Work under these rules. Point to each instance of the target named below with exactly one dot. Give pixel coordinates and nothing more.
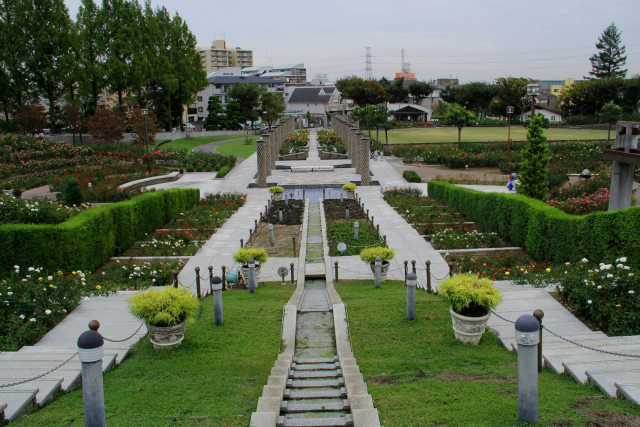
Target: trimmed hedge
(411, 176)
(545, 232)
(89, 239)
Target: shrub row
(89, 239)
(411, 176)
(544, 231)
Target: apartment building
(218, 56)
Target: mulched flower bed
(293, 214)
(333, 210)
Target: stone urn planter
(472, 299)
(369, 256)
(468, 329)
(277, 192)
(384, 268)
(166, 336)
(349, 190)
(256, 272)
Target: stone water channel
(315, 393)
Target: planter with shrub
(369, 256)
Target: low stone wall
(325, 155)
(294, 156)
(173, 176)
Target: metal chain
(500, 317)
(127, 338)
(41, 375)
(614, 353)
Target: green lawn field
(239, 148)
(477, 134)
(189, 144)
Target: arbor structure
(610, 58)
(535, 158)
(459, 117)
(610, 114)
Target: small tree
(215, 119)
(420, 90)
(610, 59)
(233, 118)
(535, 158)
(136, 126)
(610, 113)
(272, 105)
(459, 117)
(106, 125)
(31, 119)
(73, 118)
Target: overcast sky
(466, 39)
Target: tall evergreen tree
(610, 59)
(90, 55)
(215, 119)
(535, 158)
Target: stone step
(629, 391)
(48, 388)
(346, 420)
(71, 378)
(334, 373)
(39, 366)
(337, 405)
(19, 402)
(556, 362)
(299, 360)
(578, 370)
(626, 348)
(315, 366)
(593, 342)
(606, 381)
(315, 394)
(338, 382)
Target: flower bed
(450, 238)
(131, 275)
(165, 243)
(296, 142)
(210, 212)
(19, 211)
(330, 141)
(343, 231)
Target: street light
(532, 90)
(509, 113)
(145, 113)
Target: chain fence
(127, 338)
(20, 382)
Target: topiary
(223, 172)
(349, 186)
(166, 307)
(244, 255)
(470, 295)
(411, 176)
(369, 255)
(72, 193)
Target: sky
(469, 40)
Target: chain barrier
(41, 375)
(500, 317)
(127, 338)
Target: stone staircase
(58, 346)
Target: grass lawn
(214, 378)
(239, 148)
(473, 134)
(419, 375)
(189, 144)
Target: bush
(223, 172)
(545, 232)
(411, 176)
(72, 193)
(369, 255)
(349, 186)
(470, 295)
(276, 189)
(87, 240)
(166, 307)
(244, 255)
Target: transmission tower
(368, 71)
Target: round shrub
(411, 176)
(72, 193)
(244, 255)
(369, 255)
(470, 295)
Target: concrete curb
(173, 176)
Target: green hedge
(546, 232)
(411, 176)
(89, 239)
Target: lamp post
(532, 90)
(509, 113)
(145, 112)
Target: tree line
(143, 56)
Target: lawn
(189, 144)
(475, 134)
(214, 378)
(240, 148)
(418, 374)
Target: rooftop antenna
(368, 71)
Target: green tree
(366, 117)
(511, 91)
(233, 117)
(535, 158)
(610, 58)
(31, 119)
(610, 114)
(459, 117)
(90, 54)
(420, 90)
(396, 92)
(271, 106)
(248, 96)
(476, 96)
(215, 118)
(586, 98)
(362, 92)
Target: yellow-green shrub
(369, 255)
(166, 307)
(469, 294)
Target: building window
(199, 109)
(199, 99)
(553, 118)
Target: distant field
(239, 148)
(189, 144)
(472, 134)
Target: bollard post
(216, 285)
(406, 270)
(293, 241)
(280, 215)
(346, 213)
(175, 278)
(356, 230)
(539, 314)
(367, 213)
(335, 264)
(291, 266)
(413, 266)
(252, 284)
(198, 281)
(286, 200)
(224, 277)
(260, 216)
(341, 198)
(272, 240)
(527, 337)
(384, 238)
(241, 243)
(323, 193)
(412, 280)
(378, 230)
(90, 352)
(450, 268)
(428, 266)
(255, 221)
(333, 243)
(371, 219)
(378, 273)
